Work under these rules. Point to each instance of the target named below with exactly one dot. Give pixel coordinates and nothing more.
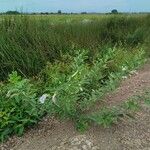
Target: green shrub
(19, 107)
(80, 85)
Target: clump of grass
(112, 115)
(75, 90)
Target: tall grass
(27, 43)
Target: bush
(19, 107)
(75, 90)
(114, 11)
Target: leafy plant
(19, 107)
(106, 117)
(131, 105)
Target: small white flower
(124, 77)
(43, 98)
(124, 68)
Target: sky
(75, 5)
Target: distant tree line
(114, 11)
(12, 12)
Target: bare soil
(53, 134)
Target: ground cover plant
(62, 67)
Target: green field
(63, 64)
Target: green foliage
(146, 97)
(106, 117)
(71, 88)
(109, 116)
(18, 106)
(68, 77)
(82, 124)
(131, 105)
(81, 84)
(137, 37)
(27, 43)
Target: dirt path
(53, 134)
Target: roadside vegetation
(62, 65)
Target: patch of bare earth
(53, 134)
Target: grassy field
(62, 64)
(29, 42)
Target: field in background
(29, 42)
(63, 64)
